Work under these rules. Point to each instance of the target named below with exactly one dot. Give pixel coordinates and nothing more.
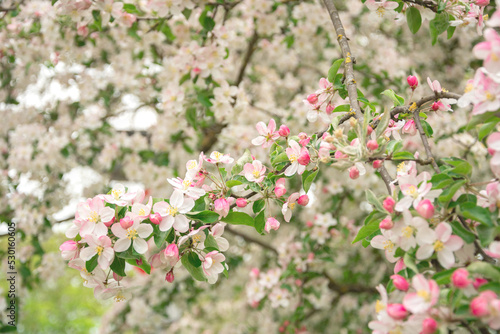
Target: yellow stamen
(217, 155)
(292, 158)
(380, 11)
(438, 246)
(389, 245)
(99, 250)
(94, 217)
(408, 232)
(292, 205)
(379, 306)
(172, 211)
(131, 234)
(424, 294)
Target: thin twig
(479, 249)
(425, 142)
(386, 177)
(424, 3)
(349, 59)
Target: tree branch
(349, 59)
(425, 142)
(424, 3)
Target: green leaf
(260, 222)
(342, 107)
(371, 225)
(130, 8)
(439, 25)
(414, 19)
(486, 129)
(440, 181)
(462, 232)
(476, 213)
(427, 128)
(210, 242)
(485, 269)
(308, 180)
(493, 286)
(373, 200)
(196, 272)
(206, 21)
(206, 216)
(258, 205)
(398, 100)
(160, 237)
(443, 277)
(403, 156)
(332, 72)
(486, 234)
(191, 117)
(118, 266)
(451, 31)
(448, 193)
(394, 146)
(282, 157)
(233, 183)
(382, 125)
(194, 259)
(238, 218)
(144, 264)
(410, 262)
(91, 264)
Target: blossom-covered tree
(298, 148)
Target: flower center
(217, 155)
(438, 246)
(119, 297)
(292, 158)
(401, 167)
(380, 11)
(196, 239)
(172, 211)
(291, 205)
(191, 164)
(468, 88)
(99, 250)
(424, 295)
(94, 217)
(408, 232)
(186, 184)
(142, 212)
(379, 306)
(256, 173)
(389, 245)
(489, 96)
(412, 191)
(131, 234)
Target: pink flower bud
(254, 273)
(69, 245)
(479, 307)
(429, 326)
(409, 128)
(241, 202)
(312, 98)
(479, 282)
(329, 109)
(435, 106)
(426, 209)
(412, 81)
(155, 218)
(388, 204)
(221, 206)
(397, 311)
(372, 145)
(377, 164)
(117, 277)
(491, 151)
(108, 224)
(353, 172)
(386, 223)
(172, 251)
(482, 3)
(284, 131)
(126, 222)
(303, 200)
(309, 224)
(271, 224)
(286, 323)
(400, 282)
(400, 265)
(304, 139)
(304, 157)
(369, 130)
(170, 277)
(340, 155)
(460, 278)
(281, 329)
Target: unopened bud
(312, 98)
(389, 204)
(303, 200)
(397, 311)
(241, 202)
(400, 282)
(377, 164)
(126, 222)
(426, 209)
(353, 173)
(386, 223)
(372, 145)
(460, 278)
(284, 131)
(412, 81)
(429, 326)
(353, 121)
(155, 218)
(170, 277)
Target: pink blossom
(388, 241)
(372, 145)
(426, 295)
(304, 157)
(187, 187)
(493, 143)
(170, 255)
(155, 218)
(134, 234)
(440, 241)
(217, 157)
(482, 92)
(255, 171)
(396, 311)
(102, 247)
(119, 196)
(271, 224)
(429, 326)
(268, 135)
(494, 250)
(222, 206)
(212, 266)
(389, 204)
(69, 250)
(489, 51)
(312, 98)
(412, 194)
(293, 153)
(487, 307)
(173, 214)
(377, 164)
(93, 215)
(409, 128)
(142, 211)
(169, 277)
(381, 6)
(434, 85)
(288, 206)
(386, 223)
(353, 172)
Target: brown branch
(419, 161)
(425, 142)
(349, 59)
(424, 3)
(479, 249)
(248, 56)
(250, 239)
(386, 177)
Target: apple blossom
(267, 134)
(271, 224)
(426, 295)
(400, 282)
(212, 265)
(412, 81)
(440, 241)
(460, 278)
(293, 152)
(102, 247)
(173, 214)
(134, 235)
(255, 171)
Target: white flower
(173, 213)
(135, 233)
